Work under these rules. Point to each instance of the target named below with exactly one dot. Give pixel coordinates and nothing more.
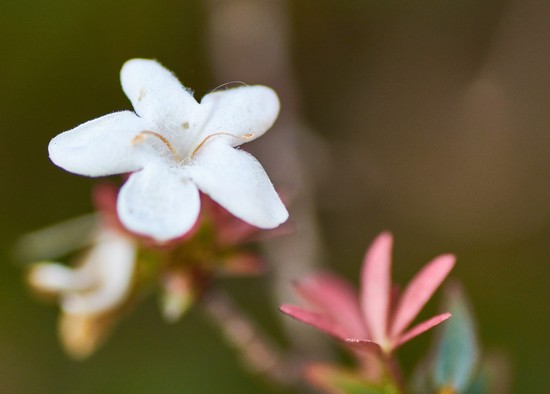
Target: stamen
(229, 83)
(143, 135)
(246, 136)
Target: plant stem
(257, 352)
(394, 371)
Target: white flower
(174, 146)
(91, 295)
(101, 283)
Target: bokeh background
(428, 118)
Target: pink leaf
(419, 291)
(316, 320)
(376, 286)
(336, 299)
(420, 328)
(364, 345)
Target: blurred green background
(428, 118)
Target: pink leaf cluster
(217, 230)
(373, 320)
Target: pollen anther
(246, 136)
(143, 135)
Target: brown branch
(257, 352)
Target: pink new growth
(372, 321)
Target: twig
(257, 352)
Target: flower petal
(238, 182)
(81, 335)
(244, 111)
(156, 93)
(159, 202)
(421, 328)
(364, 345)
(111, 264)
(376, 287)
(419, 291)
(56, 278)
(100, 147)
(316, 320)
(336, 299)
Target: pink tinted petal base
(336, 299)
(419, 291)
(376, 286)
(316, 320)
(421, 328)
(363, 345)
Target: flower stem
(257, 352)
(394, 372)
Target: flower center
(145, 134)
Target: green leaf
(457, 350)
(58, 240)
(336, 380)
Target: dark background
(432, 119)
